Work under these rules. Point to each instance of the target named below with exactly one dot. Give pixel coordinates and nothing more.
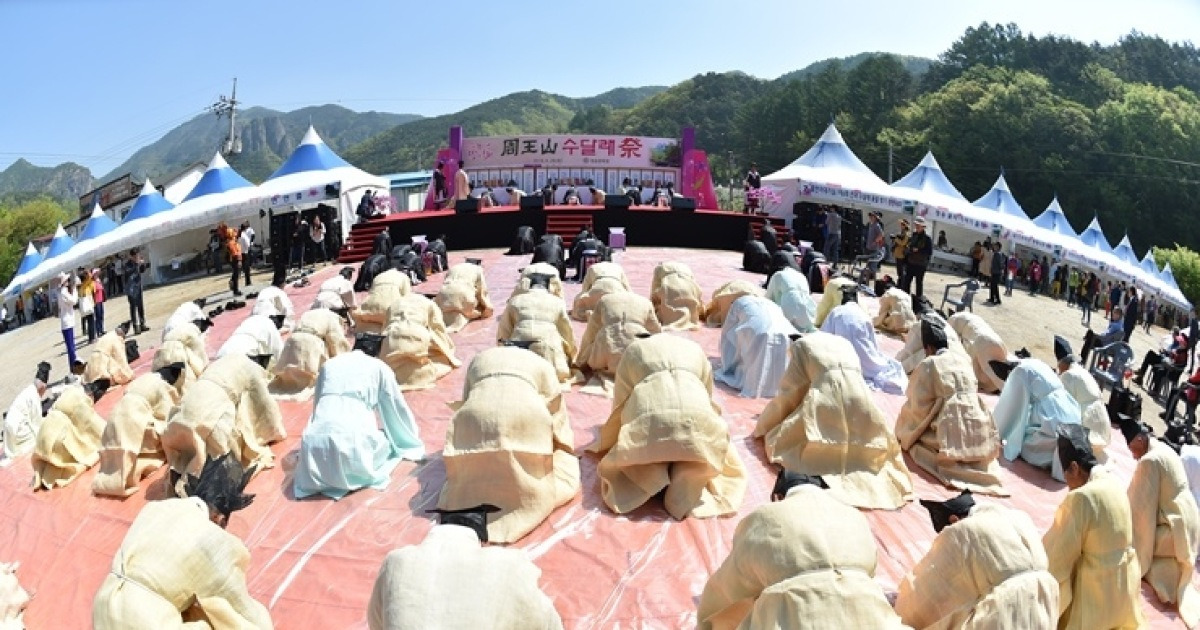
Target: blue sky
(93, 80)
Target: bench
(1108, 364)
(966, 301)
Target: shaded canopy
(97, 224)
(1000, 199)
(1094, 237)
(31, 259)
(928, 177)
(1124, 251)
(218, 178)
(1053, 219)
(149, 202)
(312, 155)
(59, 244)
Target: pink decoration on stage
(697, 181)
(450, 158)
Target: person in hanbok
(549, 251)
(510, 442)
(178, 567)
(540, 316)
(676, 296)
(272, 301)
(68, 442)
(525, 282)
(186, 313)
(944, 424)
(913, 352)
(1084, 389)
(184, 344)
(387, 287)
(666, 435)
(755, 341)
(895, 312)
(834, 296)
(343, 448)
(256, 336)
(1166, 521)
(108, 359)
(724, 297)
(601, 279)
(1090, 544)
(415, 343)
(337, 293)
(463, 297)
(986, 569)
(319, 336)
(452, 579)
(789, 289)
(983, 345)
(1031, 407)
(14, 599)
(805, 560)
(881, 372)
(130, 446)
(613, 325)
(825, 422)
(25, 416)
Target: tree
(1185, 266)
(23, 222)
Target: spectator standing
(234, 251)
(1012, 267)
(997, 271)
(98, 296)
(976, 258)
(752, 185)
(1132, 311)
(920, 250)
(20, 310)
(317, 233)
(900, 250)
(87, 304)
(833, 236)
(67, 299)
(1091, 286)
(875, 243)
(245, 242)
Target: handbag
(87, 305)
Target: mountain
(66, 181)
(915, 65)
(620, 98)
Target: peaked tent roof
(830, 160)
(312, 155)
(1124, 251)
(149, 202)
(1168, 276)
(1053, 219)
(98, 224)
(59, 244)
(1093, 236)
(1149, 265)
(219, 178)
(31, 259)
(929, 177)
(1000, 199)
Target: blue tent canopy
(219, 178)
(928, 176)
(31, 259)
(1000, 199)
(1093, 236)
(1053, 219)
(1148, 265)
(831, 151)
(1168, 276)
(98, 224)
(59, 244)
(149, 202)
(1124, 251)
(312, 155)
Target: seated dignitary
(614, 324)
(343, 447)
(601, 279)
(1090, 543)
(510, 441)
(665, 434)
(374, 266)
(824, 422)
(68, 442)
(549, 251)
(1166, 521)
(806, 560)
(944, 424)
(1031, 407)
(228, 410)
(272, 301)
(1085, 391)
(881, 372)
(463, 296)
(415, 343)
(184, 344)
(525, 282)
(834, 296)
(388, 287)
(337, 293)
(25, 416)
(187, 313)
(983, 345)
(256, 336)
(986, 569)
(541, 317)
(108, 360)
(676, 296)
(130, 446)
(718, 307)
(895, 312)
(755, 340)
(319, 336)
(453, 582)
(178, 567)
(913, 352)
(789, 289)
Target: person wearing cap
(25, 416)
(600, 280)
(788, 288)
(541, 317)
(723, 298)
(1090, 543)
(677, 299)
(895, 312)
(755, 338)
(361, 427)
(184, 344)
(129, 445)
(880, 371)
(257, 335)
(452, 579)
(916, 258)
(587, 250)
(843, 438)
(108, 359)
(986, 569)
(67, 299)
(178, 566)
(666, 435)
(463, 297)
(944, 424)
(615, 322)
(524, 284)
(1084, 389)
(319, 336)
(1166, 520)
(68, 442)
(804, 560)
(273, 300)
(387, 287)
(1031, 408)
(983, 345)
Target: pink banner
(570, 151)
(697, 180)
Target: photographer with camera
(900, 250)
(134, 266)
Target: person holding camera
(920, 250)
(133, 291)
(900, 250)
(875, 242)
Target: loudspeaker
(466, 206)
(683, 204)
(617, 202)
(532, 202)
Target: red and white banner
(570, 150)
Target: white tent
(937, 200)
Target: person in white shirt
(24, 417)
(67, 299)
(273, 301)
(245, 240)
(317, 233)
(462, 184)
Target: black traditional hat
(368, 343)
(786, 480)
(516, 343)
(849, 294)
(1131, 428)
(540, 280)
(645, 334)
(1073, 446)
(171, 373)
(1023, 353)
(97, 388)
(1062, 349)
(941, 511)
(933, 334)
(475, 261)
(203, 324)
(262, 359)
(347, 272)
(473, 517)
(221, 483)
(1003, 368)
(277, 320)
(43, 372)
(78, 367)
(794, 336)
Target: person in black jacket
(999, 261)
(1131, 313)
(550, 250)
(917, 255)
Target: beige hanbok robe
(602, 278)
(985, 572)
(982, 344)
(807, 561)
(13, 598)
(665, 432)
(451, 582)
(1166, 528)
(832, 298)
(1090, 548)
(389, 286)
(22, 422)
(176, 566)
(724, 297)
(228, 410)
(895, 312)
(824, 422)
(336, 292)
(186, 313)
(525, 286)
(272, 301)
(1082, 387)
(319, 336)
(913, 351)
(541, 317)
(108, 361)
(510, 443)
(677, 299)
(131, 446)
(946, 427)
(463, 296)
(68, 443)
(256, 335)
(415, 343)
(614, 324)
(184, 344)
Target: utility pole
(731, 178)
(228, 106)
(889, 162)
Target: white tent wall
(352, 181)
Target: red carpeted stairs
(358, 245)
(567, 221)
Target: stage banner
(571, 151)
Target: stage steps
(568, 223)
(358, 245)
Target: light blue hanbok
(342, 448)
(1032, 405)
(880, 371)
(754, 347)
(789, 289)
